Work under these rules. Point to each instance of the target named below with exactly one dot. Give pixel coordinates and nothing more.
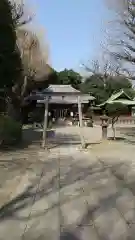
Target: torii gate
(61, 90)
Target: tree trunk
(13, 107)
(114, 120)
(13, 112)
(24, 87)
(114, 132)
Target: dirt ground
(66, 192)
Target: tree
(69, 76)
(35, 67)
(10, 62)
(118, 6)
(114, 111)
(18, 13)
(125, 52)
(94, 85)
(104, 81)
(19, 62)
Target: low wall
(123, 120)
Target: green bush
(10, 131)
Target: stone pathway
(70, 194)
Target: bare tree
(34, 61)
(102, 71)
(119, 6)
(125, 47)
(18, 13)
(35, 65)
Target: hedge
(10, 131)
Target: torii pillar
(83, 144)
(44, 141)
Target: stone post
(104, 125)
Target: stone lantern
(104, 124)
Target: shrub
(10, 131)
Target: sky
(74, 30)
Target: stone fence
(123, 120)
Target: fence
(122, 120)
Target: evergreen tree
(10, 62)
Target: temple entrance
(60, 113)
(61, 101)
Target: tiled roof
(61, 89)
(121, 94)
(119, 97)
(124, 101)
(62, 94)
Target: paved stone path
(71, 194)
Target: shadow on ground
(33, 138)
(127, 130)
(116, 138)
(128, 134)
(106, 183)
(68, 236)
